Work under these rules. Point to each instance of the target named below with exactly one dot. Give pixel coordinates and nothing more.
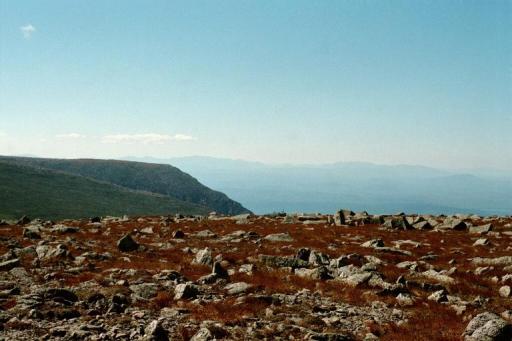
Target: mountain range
(377, 188)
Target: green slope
(54, 195)
(155, 178)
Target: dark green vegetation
(53, 195)
(55, 188)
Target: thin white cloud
(70, 136)
(27, 31)
(150, 138)
(2, 134)
(183, 137)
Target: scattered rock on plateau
(279, 237)
(488, 327)
(342, 216)
(318, 258)
(437, 276)
(396, 222)
(498, 261)
(61, 295)
(237, 288)
(404, 300)
(481, 242)
(127, 244)
(373, 243)
(312, 336)
(32, 232)
(204, 257)
(423, 225)
(219, 271)
(9, 264)
(452, 224)
(282, 262)
(205, 234)
(61, 228)
(23, 220)
(178, 234)
(303, 254)
(505, 291)
(144, 291)
(185, 291)
(95, 220)
(155, 332)
(147, 230)
(480, 229)
(320, 273)
(203, 334)
(439, 296)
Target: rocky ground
(345, 276)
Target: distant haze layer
(265, 188)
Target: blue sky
(414, 82)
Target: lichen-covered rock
(488, 327)
(155, 332)
(204, 257)
(185, 291)
(279, 237)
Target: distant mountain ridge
(357, 185)
(154, 179)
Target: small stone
(439, 296)
(279, 237)
(31, 233)
(155, 332)
(481, 242)
(237, 288)
(185, 291)
(178, 234)
(373, 243)
(204, 257)
(127, 244)
(488, 327)
(404, 300)
(147, 230)
(480, 229)
(219, 271)
(23, 220)
(9, 264)
(205, 234)
(505, 291)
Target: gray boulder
(317, 258)
(279, 237)
(481, 229)
(453, 224)
(396, 222)
(155, 332)
(237, 288)
(320, 273)
(373, 243)
(185, 291)
(204, 257)
(282, 262)
(488, 327)
(144, 291)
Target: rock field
(347, 276)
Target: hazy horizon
(424, 83)
(153, 159)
